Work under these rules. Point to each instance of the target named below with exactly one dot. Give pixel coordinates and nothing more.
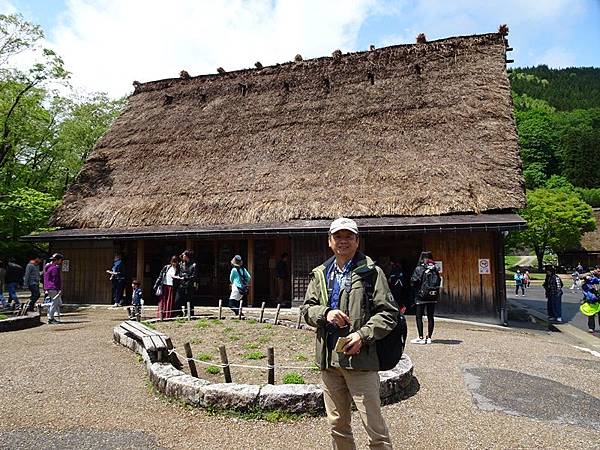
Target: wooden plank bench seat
(152, 340)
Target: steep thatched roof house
(416, 141)
(588, 252)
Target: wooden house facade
(416, 142)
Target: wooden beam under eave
(251, 270)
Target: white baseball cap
(343, 223)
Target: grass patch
(202, 323)
(268, 326)
(301, 357)
(293, 378)
(216, 322)
(254, 355)
(252, 321)
(196, 341)
(251, 346)
(265, 339)
(2, 317)
(204, 357)
(314, 368)
(212, 370)
(180, 320)
(276, 416)
(234, 338)
(149, 325)
(227, 329)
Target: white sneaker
(559, 320)
(418, 341)
(591, 330)
(428, 340)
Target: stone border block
(231, 395)
(295, 398)
(32, 319)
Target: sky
(107, 44)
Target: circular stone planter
(32, 319)
(294, 398)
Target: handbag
(158, 291)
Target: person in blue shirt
(117, 277)
(591, 296)
(519, 282)
(240, 281)
(136, 300)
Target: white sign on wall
(484, 267)
(65, 265)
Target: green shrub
(204, 357)
(590, 196)
(213, 370)
(250, 345)
(254, 355)
(293, 378)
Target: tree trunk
(539, 253)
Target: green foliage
(559, 183)
(2, 317)
(212, 370)
(556, 219)
(293, 378)
(254, 355)
(204, 357)
(590, 196)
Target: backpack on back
(391, 347)
(244, 289)
(430, 284)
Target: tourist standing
(165, 287)
(3, 302)
(188, 274)
(136, 300)
(14, 277)
(527, 279)
(426, 281)
(281, 276)
(346, 337)
(519, 282)
(553, 288)
(32, 281)
(117, 278)
(575, 280)
(239, 278)
(396, 281)
(53, 286)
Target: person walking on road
(575, 279)
(117, 278)
(553, 288)
(346, 338)
(426, 281)
(32, 281)
(53, 286)
(519, 283)
(14, 276)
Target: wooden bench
(152, 340)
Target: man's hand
(354, 344)
(338, 318)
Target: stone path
(69, 386)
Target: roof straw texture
(410, 130)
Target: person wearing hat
(345, 336)
(424, 304)
(53, 286)
(240, 281)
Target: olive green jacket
(372, 322)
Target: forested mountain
(563, 89)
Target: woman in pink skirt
(165, 288)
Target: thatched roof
(409, 130)
(591, 241)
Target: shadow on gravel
(520, 394)
(447, 341)
(77, 438)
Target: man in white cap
(346, 335)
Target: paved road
(534, 299)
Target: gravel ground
(72, 380)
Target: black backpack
(244, 289)
(391, 347)
(430, 284)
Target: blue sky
(107, 44)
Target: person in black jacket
(424, 303)
(187, 274)
(14, 277)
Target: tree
(556, 219)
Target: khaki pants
(340, 387)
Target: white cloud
(558, 57)
(107, 44)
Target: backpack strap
(368, 283)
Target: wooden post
(299, 320)
(271, 365)
(277, 313)
(220, 309)
(140, 261)
(128, 311)
(262, 312)
(172, 356)
(183, 311)
(225, 363)
(160, 313)
(250, 266)
(189, 311)
(189, 356)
